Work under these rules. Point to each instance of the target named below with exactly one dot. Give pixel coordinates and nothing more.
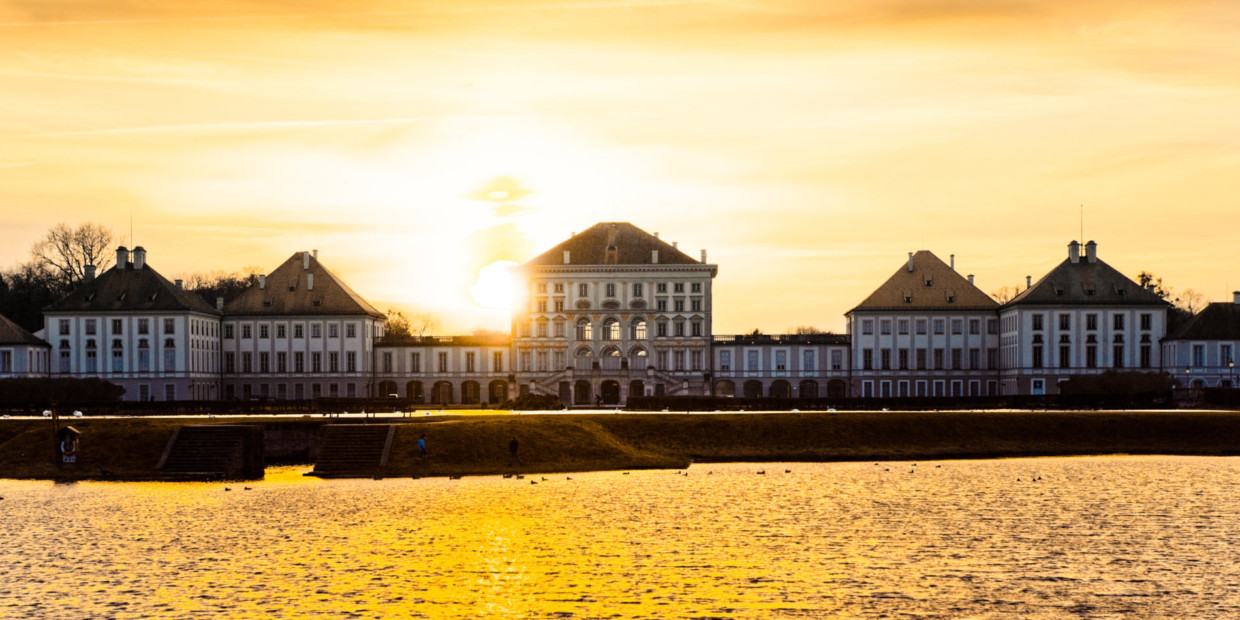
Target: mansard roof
(613, 243)
(926, 283)
(287, 291)
(1219, 321)
(1087, 282)
(128, 288)
(12, 334)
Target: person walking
(421, 446)
(513, 457)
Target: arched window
(585, 331)
(639, 330)
(611, 329)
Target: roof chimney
(566, 258)
(1091, 252)
(970, 278)
(1028, 281)
(703, 256)
(309, 281)
(910, 262)
(219, 303)
(122, 257)
(654, 257)
(305, 260)
(656, 235)
(139, 257)
(316, 254)
(1235, 297)
(676, 244)
(90, 273)
(1074, 252)
(262, 282)
(953, 263)
(180, 283)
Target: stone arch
(610, 329)
(387, 389)
(637, 388)
(471, 393)
(725, 388)
(753, 389)
(637, 329)
(808, 389)
(610, 391)
(780, 389)
(497, 392)
(414, 391)
(837, 388)
(583, 394)
(441, 393)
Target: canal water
(1134, 537)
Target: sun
(493, 286)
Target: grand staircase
(353, 450)
(216, 451)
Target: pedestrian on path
(421, 446)
(513, 457)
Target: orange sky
(807, 145)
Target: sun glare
(493, 287)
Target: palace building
(607, 314)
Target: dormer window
(929, 281)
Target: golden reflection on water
(1135, 536)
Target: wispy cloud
(241, 127)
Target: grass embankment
(477, 445)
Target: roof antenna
(131, 227)
(1082, 224)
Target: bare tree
(807, 330)
(1004, 294)
(1191, 301)
(423, 324)
(397, 325)
(64, 252)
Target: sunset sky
(807, 145)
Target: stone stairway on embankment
(353, 450)
(231, 451)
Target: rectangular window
(807, 360)
(637, 290)
(957, 361)
(469, 362)
(443, 362)
(867, 327)
(678, 287)
(542, 361)
(350, 331)
(867, 359)
(695, 305)
(1145, 356)
(144, 359)
(902, 359)
(781, 360)
(1065, 356)
(583, 290)
(678, 357)
(1224, 354)
(751, 361)
(90, 327)
(333, 361)
(170, 326)
(661, 356)
(415, 362)
(661, 287)
(1037, 357)
(246, 331)
(611, 289)
(1146, 321)
(540, 305)
(144, 326)
(497, 361)
(299, 331)
(559, 305)
(1065, 321)
(387, 361)
(957, 326)
(264, 331)
(921, 326)
(921, 359)
(680, 329)
(725, 360)
(661, 305)
(940, 326)
(902, 327)
(350, 361)
(230, 362)
(316, 390)
(281, 331)
(1091, 321)
(679, 305)
(837, 360)
(1199, 355)
(975, 326)
(697, 329)
(661, 329)
(1118, 321)
(695, 360)
(992, 326)
(333, 330)
(281, 362)
(938, 359)
(299, 362)
(1117, 356)
(316, 362)
(884, 327)
(264, 362)
(695, 287)
(117, 327)
(992, 359)
(64, 327)
(1037, 322)
(1091, 356)
(316, 330)
(247, 362)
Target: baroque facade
(609, 313)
